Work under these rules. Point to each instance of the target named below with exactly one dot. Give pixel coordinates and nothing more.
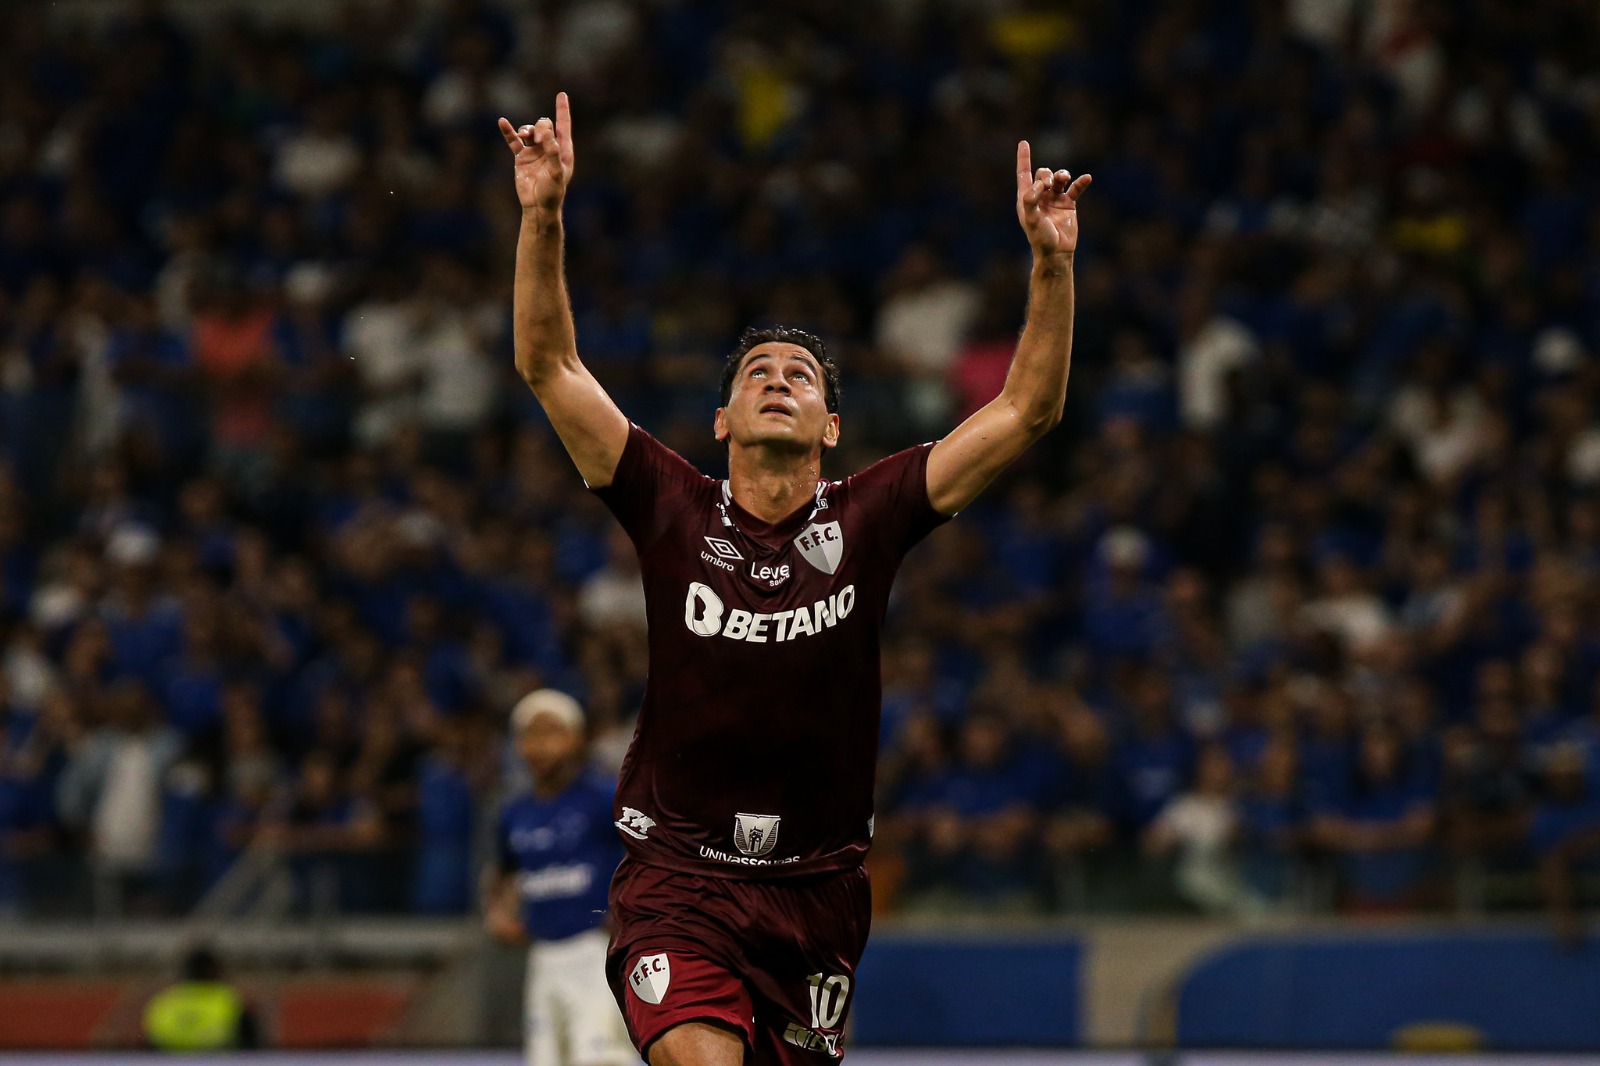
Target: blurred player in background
(558, 851)
(745, 801)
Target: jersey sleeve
(895, 491)
(650, 480)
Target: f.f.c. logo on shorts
(650, 977)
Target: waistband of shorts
(812, 873)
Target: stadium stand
(1297, 611)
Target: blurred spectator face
(1285, 597)
(135, 569)
(1278, 768)
(130, 708)
(241, 709)
(408, 689)
(1275, 709)
(453, 741)
(1186, 593)
(1542, 669)
(1497, 680)
(108, 482)
(922, 740)
(84, 571)
(200, 634)
(424, 619)
(87, 652)
(1380, 755)
(319, 779)
(1277, 549)
(201, 503)
(332, 716)
(916, 663)
(1564, 776)
(983, 743)
(1431, 566)
(1330, 715)
(1414, 708)
(1214, 771)
(1340, 577)
(778, 400)
(1497, 721)
(917, 269)
(549, 745)
(1583, 522)
(295, 586)
(1084, 738)
(1152, 702)
(361, 654)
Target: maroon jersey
(757, 743)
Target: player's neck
(772, 485)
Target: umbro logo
(724, 548)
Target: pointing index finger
(563, 119)
(1024, 165)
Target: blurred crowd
(1306, 581)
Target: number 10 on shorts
(829, 995)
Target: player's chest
(800, 562)
(771, 586)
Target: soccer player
(745, 801)
(558, 851)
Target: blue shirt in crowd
(563, 850)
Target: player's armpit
(964, 463)
(591, 427)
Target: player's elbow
(530, 375)
(1039, 419)
(537, 373)
(1033, 416)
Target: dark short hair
(785, 335)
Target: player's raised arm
(589, 424)
(962, 464)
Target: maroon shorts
(773, 961)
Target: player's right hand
(542, 158)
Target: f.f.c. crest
(822, 544)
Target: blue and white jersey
(563, 851)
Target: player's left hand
(1047, 205)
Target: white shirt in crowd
(1204, 363)
(924, 329)
(1207, 875)
(1358, 619)
(128, 816)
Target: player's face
(548, 745)
(778, 400)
